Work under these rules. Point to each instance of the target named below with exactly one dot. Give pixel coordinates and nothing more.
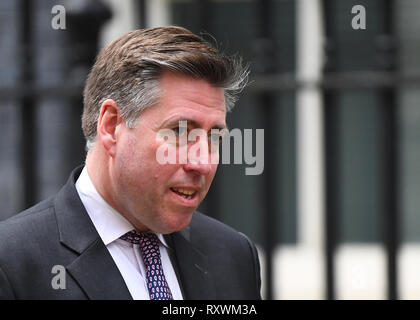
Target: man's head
(144, 82)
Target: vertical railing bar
(142, 6)
(271, 157)
(28, 114)
(390, 162)
(331, 130)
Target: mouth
(185, 193)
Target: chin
(177, 224)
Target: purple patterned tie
(149, 248)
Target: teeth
(184, 191)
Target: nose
(199, 158)
(197, 167)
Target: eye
(180, 130)
(216, 135)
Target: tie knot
(148, 245)
(141, 238)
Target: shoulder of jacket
(27, 224)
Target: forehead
(196, 90)
(189, 98)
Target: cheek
(140, 154)
(130, 163)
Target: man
(124, 226)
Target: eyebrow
(176, 120)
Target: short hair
(128, 71)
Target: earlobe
(109, 119)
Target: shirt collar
(109, 223)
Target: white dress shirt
(111, 226)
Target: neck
(99, 173)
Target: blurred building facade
(336, 213)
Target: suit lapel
(93, 269)
(191, 267)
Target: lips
(186, 193)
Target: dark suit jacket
(211, 260)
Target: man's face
(153, 196)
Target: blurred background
(335, 214)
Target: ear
(109, 119)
